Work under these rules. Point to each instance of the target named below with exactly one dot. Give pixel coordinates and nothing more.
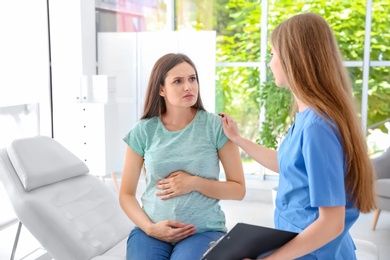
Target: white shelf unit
(95, 135)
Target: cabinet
(94, 133)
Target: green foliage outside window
(238, 89)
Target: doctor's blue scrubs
(312, 170)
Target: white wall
(24, 61)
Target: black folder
(248, 241)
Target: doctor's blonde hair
(314, 69)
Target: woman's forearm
(222, 190)
(134, 211)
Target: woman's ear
(162, 92)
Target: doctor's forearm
(265, 156)
(327, 227)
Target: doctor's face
(277, 70)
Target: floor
(256, 208)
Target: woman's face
(181, 86)
(276, 68)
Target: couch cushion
(382, 187)
(41, 160)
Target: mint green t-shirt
(194, 150)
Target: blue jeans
(143, 247)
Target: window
(242, 78)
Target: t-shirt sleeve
(135, 139)
(324, 162)
(221, 138)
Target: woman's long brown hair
(314, 70)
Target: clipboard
(248, 241)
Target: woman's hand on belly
(171, 231)
(176, 184)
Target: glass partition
(130, 15)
